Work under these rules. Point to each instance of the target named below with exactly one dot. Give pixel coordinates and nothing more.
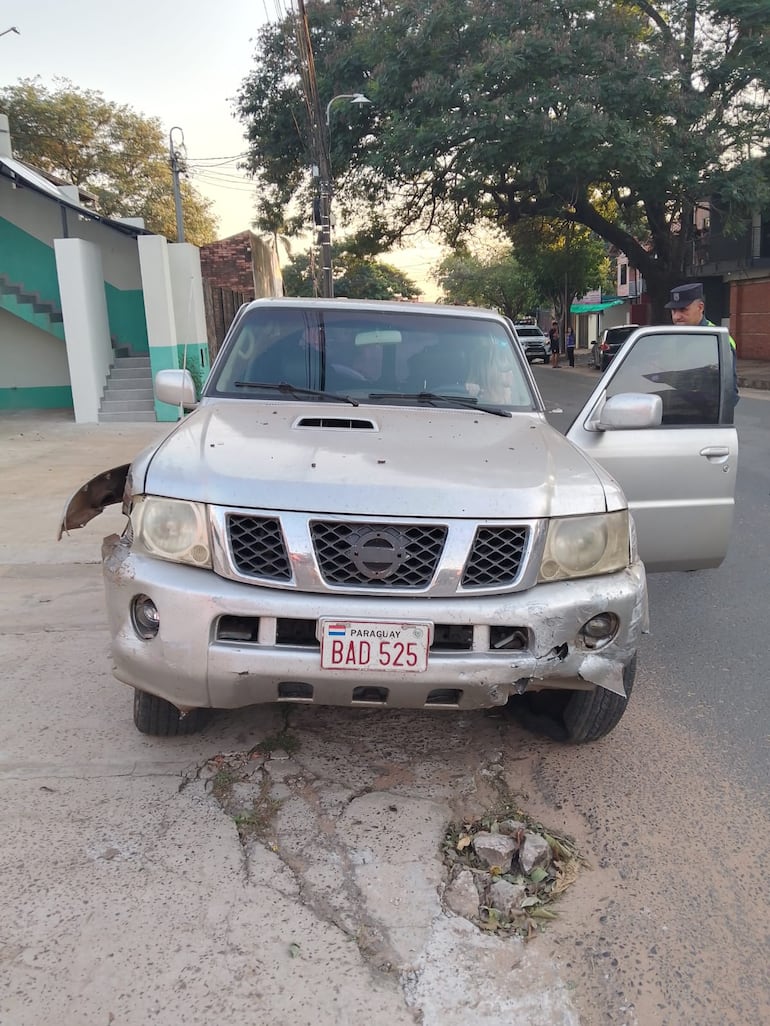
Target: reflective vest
(710, 324)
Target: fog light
(144, 616)
(600, 629)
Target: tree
(498, 281)
(355, 277)
(508, 109)
(564, 259)
(108, 150)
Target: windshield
(372, 357)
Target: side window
(683, 370)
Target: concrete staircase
(128, 395)
(29, 306)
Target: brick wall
(227, 264)
(750, 318)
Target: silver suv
(534, 341)
(367, 507)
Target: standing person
(553, 336)
(687, 308)
(571, 345)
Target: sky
(182, 63)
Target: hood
(380, 460)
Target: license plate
(391, 647)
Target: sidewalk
(754, 374)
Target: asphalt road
(129, 896)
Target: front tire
(156, 716)
(576, 717)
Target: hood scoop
(344, 423)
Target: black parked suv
(609, 344)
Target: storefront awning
(578, 308)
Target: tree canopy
(549, 262)
(355, 277)
(619, 115)
(564, 259)
(107, 149)
(496, 280)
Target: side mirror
(631, 410)
(175, 387)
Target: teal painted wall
(125, 312)
(54, 397)
(29, 262)
(9, 302)
(164, 358)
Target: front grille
(257, 547)
(377, 555)
(495, 558)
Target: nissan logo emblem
(378, 554)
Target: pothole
(506, 871)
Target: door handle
(715, 453)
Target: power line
(225, 176)
(225, 160)
(224, 185)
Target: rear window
(621, 333)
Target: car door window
(685, 374)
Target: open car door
(678, 472)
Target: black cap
(683, 295)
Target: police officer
(687, 308)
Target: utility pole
(325, 198)
(319, 146)
(176, 157)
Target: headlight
(172, 529)
(583, 546)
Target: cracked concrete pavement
(129, 897)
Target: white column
(86, 325)
(155, 269)
(187, 288)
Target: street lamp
(358, 98)
(325, 186)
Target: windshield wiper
(466, 402)
(287, 389)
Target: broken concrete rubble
(461, 895)
(534, 852)
(507, 897)
(496, 850)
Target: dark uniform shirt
(705, 323)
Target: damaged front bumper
(192, 662)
